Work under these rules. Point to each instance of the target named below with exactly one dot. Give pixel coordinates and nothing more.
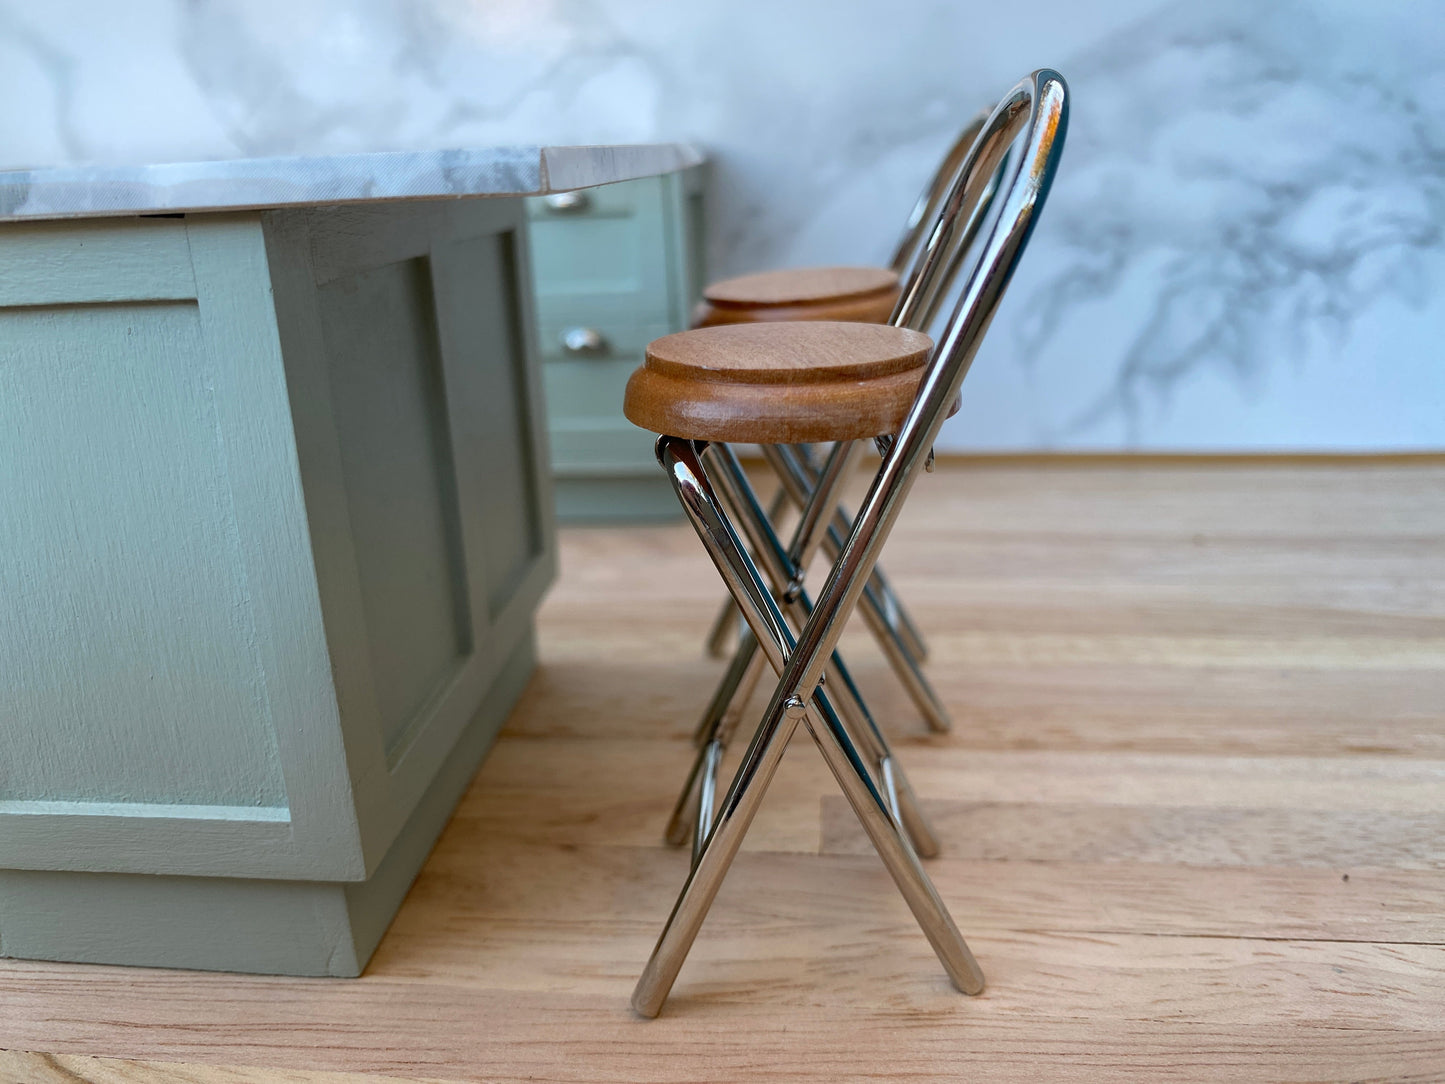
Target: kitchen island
(274, 524)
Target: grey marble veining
(1243, 250)
(89, 191)
(1253, 198)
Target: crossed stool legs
(785, 568)
(886, 617)
(880, 797)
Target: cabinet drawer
(607, 201)
(589, 433)
(587, 389)
(616, 267)
(622, 332)
(612, 252)
(604, 451)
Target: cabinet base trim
(243, 924)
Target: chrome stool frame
(784, 568)
(798, 478)
(889, 621)
(1022, 139)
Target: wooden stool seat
(865, 294)
(779, 383)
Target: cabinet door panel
(409, 352)
(165, 649)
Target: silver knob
(585, 342)
(568, 202)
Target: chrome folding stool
(714, 385)
(855, 294)
(785, 566)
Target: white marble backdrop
(1245, 248)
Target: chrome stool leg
(718, 723)
(876, 605)
(727, 691)
(681, 460)
(881, 604)
(885, 601)
(785, 569)
(890, 608)
(739, 680)
(724, 626)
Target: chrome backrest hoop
(953, 233)
(946, 242)
(925, 209)
(1035, 114)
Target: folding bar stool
(788, 383)
(861, 294)
(785, 568)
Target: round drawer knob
(568, 202)
(585, 342)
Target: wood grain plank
(926, 1032)
(588, 890)
(1338, 839)
(1191, 813)
(32, 1067)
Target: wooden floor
(1193, 817)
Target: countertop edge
(82, 192)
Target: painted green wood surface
(276, 514)
(621, 499)
(255, 549)
(627, 264)
(137, 473)
(390, 403)
(252, 924)
(489, 432)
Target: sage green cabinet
(275, 516)
(614, 268)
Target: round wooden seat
(778, 383)
(864, 294)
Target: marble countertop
(251, 183)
